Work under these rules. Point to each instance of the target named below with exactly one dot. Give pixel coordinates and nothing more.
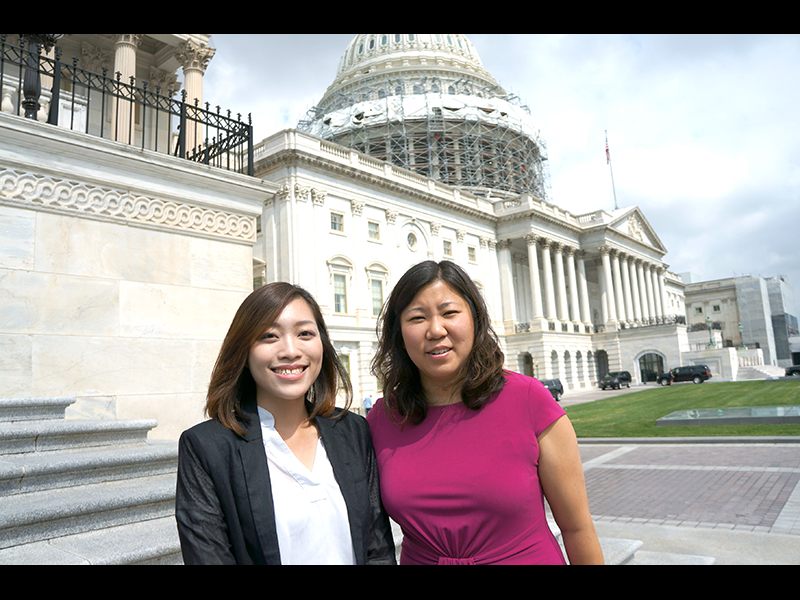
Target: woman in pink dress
(467, 452)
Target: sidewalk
(734, 499)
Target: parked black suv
(695, 373)
(615, 380)
(555, 387)
(793, 371)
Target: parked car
(555, 387)
(695, 373)
(615, 380)
(793, 371)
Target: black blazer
(223, 502)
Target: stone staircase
(82, 491)
(759, 372)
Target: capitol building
(416, 152)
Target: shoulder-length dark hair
(481, 374)
(231, 381)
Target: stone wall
(120, 271)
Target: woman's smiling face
(286, 360)
(438, 334)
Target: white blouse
(310, 512)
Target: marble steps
(83, 491)
(619, 551)
(759, 372)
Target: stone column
(194, 59)
(575, 313)
(561, 285)
(637, 300)
(611, 311)
(662, 291)
(122, 124)
(521, 287)
(656, 293)
(648, 280)
(549, 296)
(643, 289)
(583, 289)
(497, 293)
(626, 286)
(618, 285)
(533, 265)
(507, 283)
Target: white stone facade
(347, 226)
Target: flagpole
(608, 160)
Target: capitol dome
(424, 102)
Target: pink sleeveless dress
(463, 485)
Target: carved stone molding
(357, 206)
(318, 196)
(34, 190)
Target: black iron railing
(105, 106)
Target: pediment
(632, 223)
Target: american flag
(608, 154)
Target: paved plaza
(735, 499)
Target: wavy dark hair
(481, 374)
(231, 381)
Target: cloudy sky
(703, 130)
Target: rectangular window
(473, 257)
(698, 310)
(377, 297)
(447, 248)
(374, 231)
(345, 360)
(716, 308)
(337, 222)
(340, 293)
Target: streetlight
(32, 86)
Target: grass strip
(635, 414)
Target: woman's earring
(311, 396)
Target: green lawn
(635, 414)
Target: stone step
(44, 515)
(153, 542)
(38, 471)
(644, 557)
(620, 551)
(33, 409)
(759, 372)
(50, 435)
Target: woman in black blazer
(278, 474)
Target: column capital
(504, 244)
(131, 39)
(531, 239)
(193, 56)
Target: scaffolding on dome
(478, 139)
